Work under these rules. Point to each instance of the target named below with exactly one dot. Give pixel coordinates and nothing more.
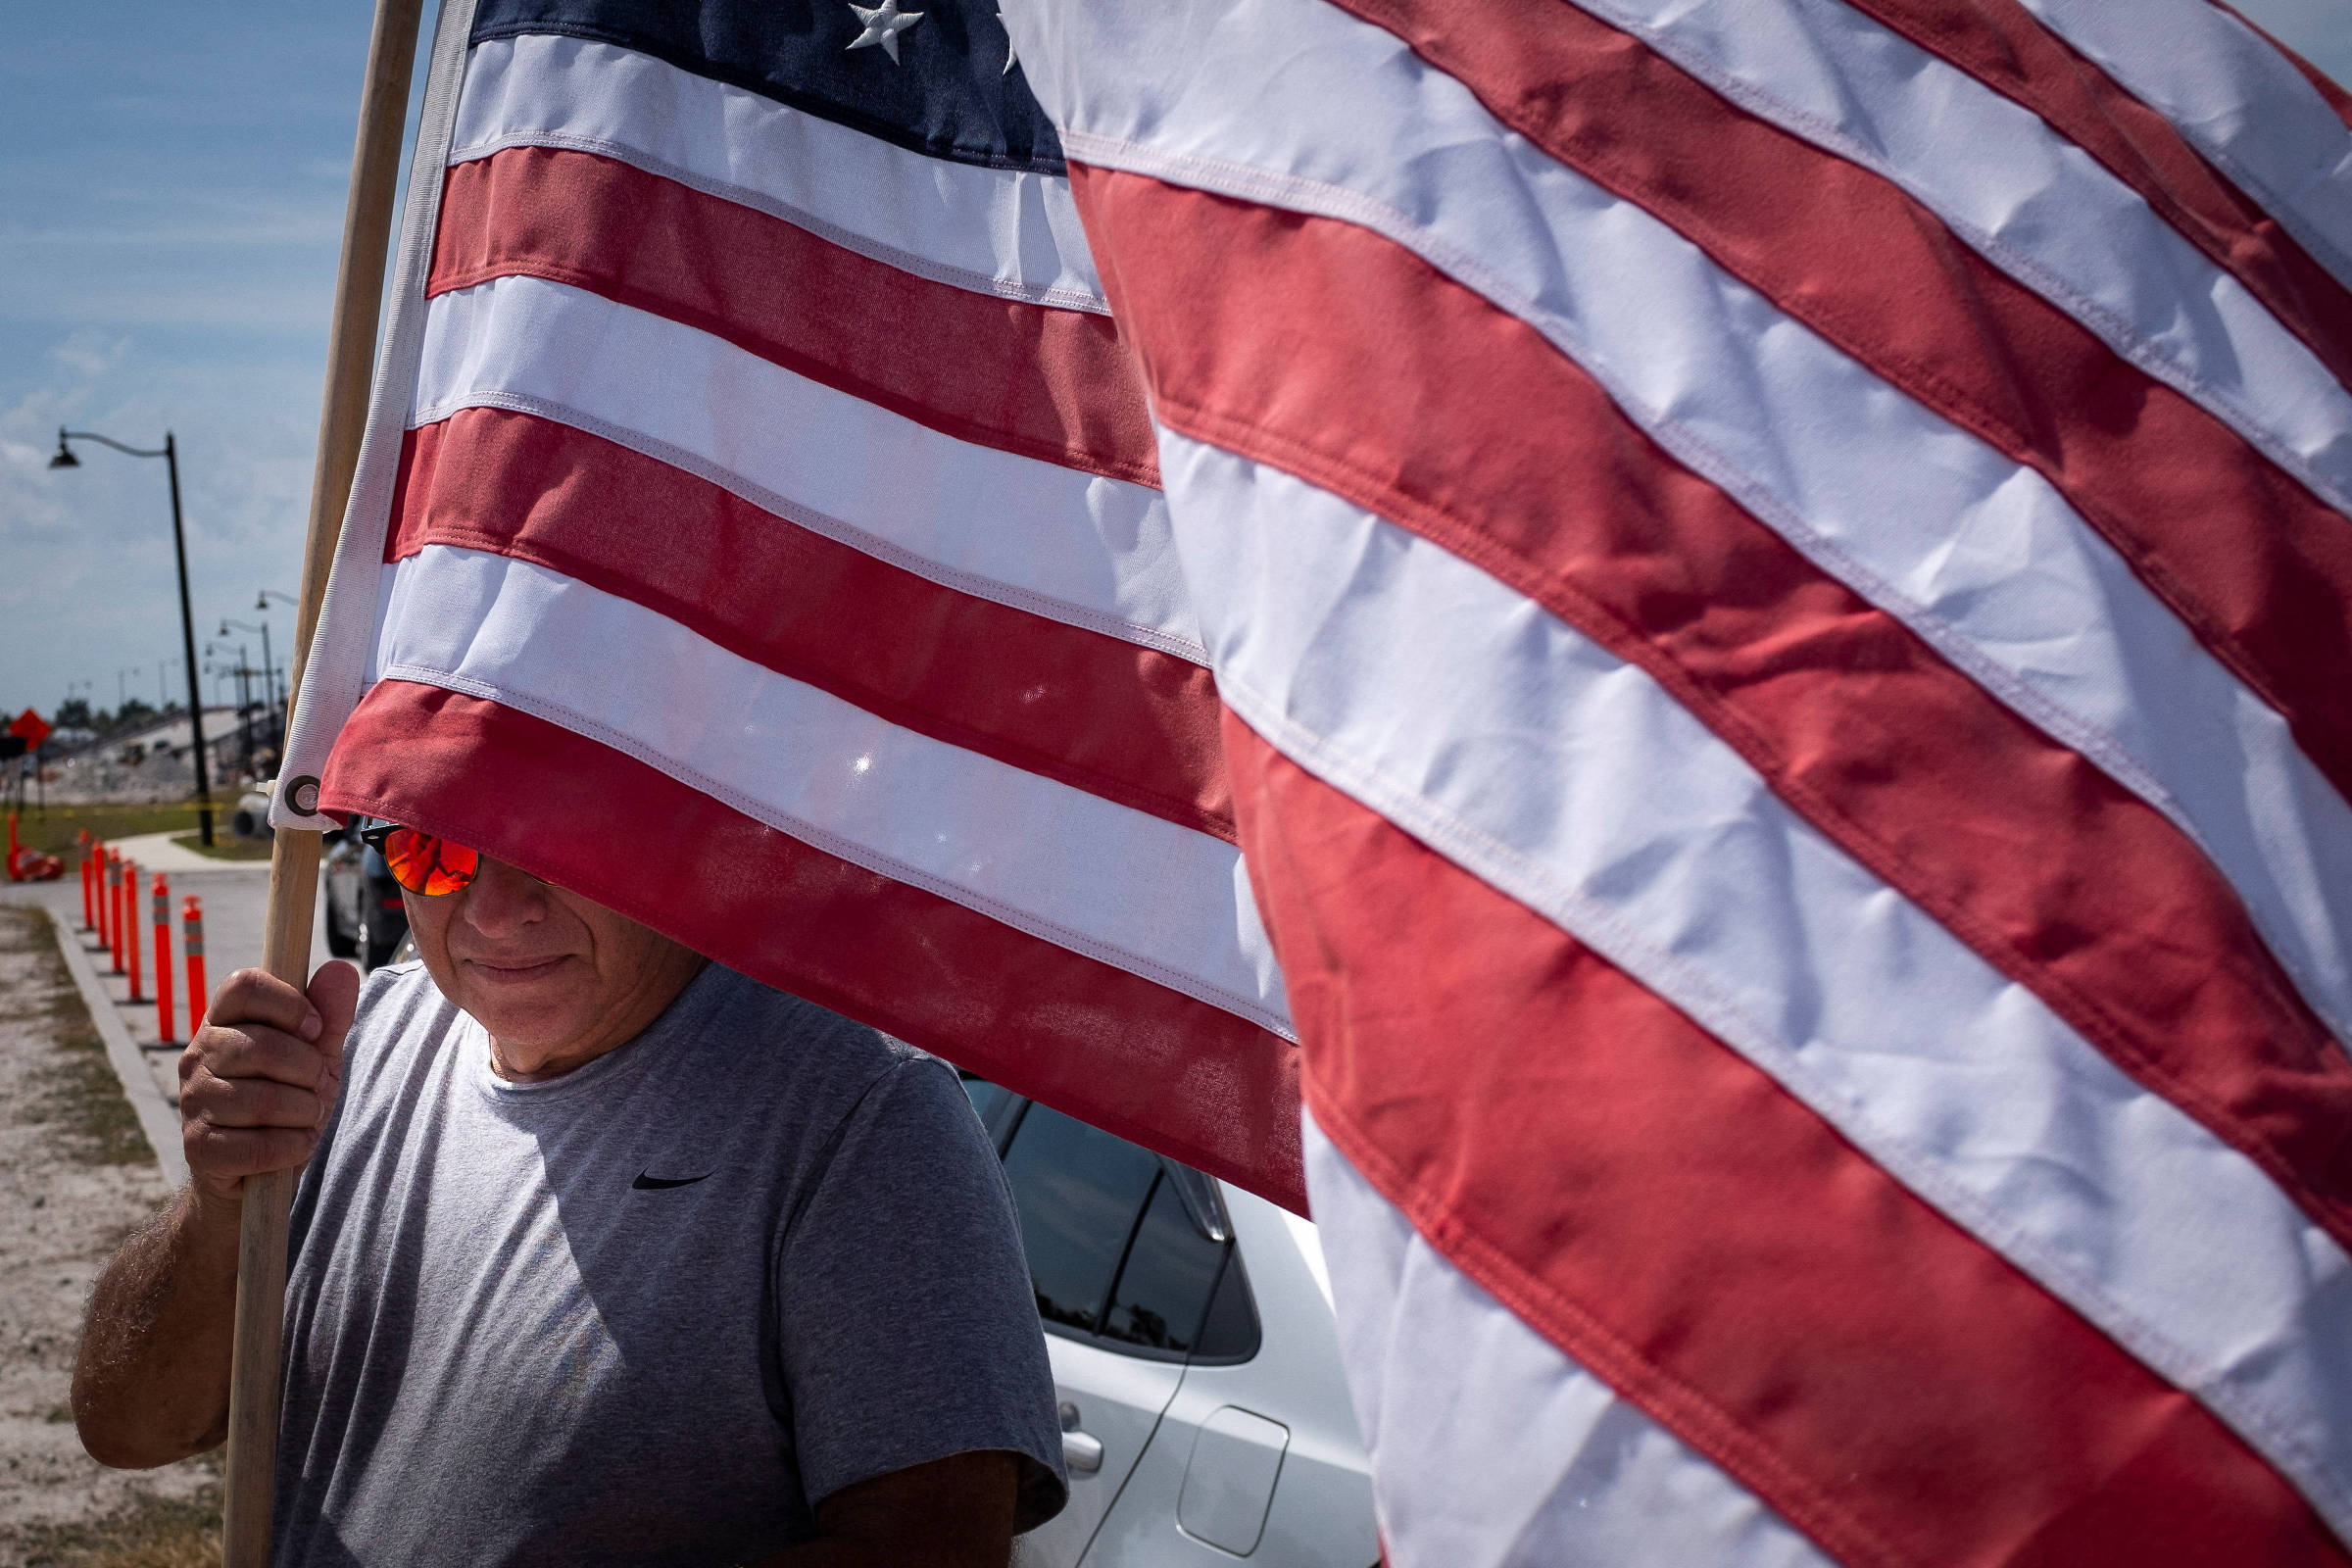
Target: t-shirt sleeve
(907, 1325)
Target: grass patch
(75, 1093)
(56, 830)
(151, 1532)
(225, 848)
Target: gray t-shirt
(652, 1311)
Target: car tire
(339, 944)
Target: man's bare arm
(956, 1512)
(172, 1284)
(151, 1384)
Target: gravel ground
(75, 1177)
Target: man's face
(557, 979)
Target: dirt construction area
(76, 1174)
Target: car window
(991, 1100)
(1077, 1189)
(1230, 1332)
(1162, 1292)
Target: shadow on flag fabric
(1754, 598)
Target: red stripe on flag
(1257, 327)
(1672, 1220)
(1052, 384)
(1131, 724)
(2255, 565)
(1106, 1046)
(2000, 44)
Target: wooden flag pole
(252, 1399)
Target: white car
(251, 817)
(1197, 1364)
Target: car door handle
(1082, 1450)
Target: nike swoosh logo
(647, 1182)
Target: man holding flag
(603, 1253)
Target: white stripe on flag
(1118, 885)
(2025, 198)
(996, 230)
(1505, 1453)
(1071, 546)
(2237, 100)
(1571, 781)
(1977, 555)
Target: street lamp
(67, 701)
(242, 669)
(170, 453)
(269, 664)
(285, 709)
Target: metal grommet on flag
(301, 794)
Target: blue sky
(172, 185)
(172, 182)
(2320, 30)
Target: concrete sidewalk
(156, 852)
(235, 896)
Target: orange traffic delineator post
(98, 893)
(114, 907)
(163, 959)
(131, 922)
(87, 910)
(192, 943)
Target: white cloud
(89, 353)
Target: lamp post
(268, 666)
(170, 453)
(244, 674)
(285, 697)
(89, 691)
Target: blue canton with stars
(948, 92)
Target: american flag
(1755, 596)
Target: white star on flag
(883, 24)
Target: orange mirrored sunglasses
(421, 862)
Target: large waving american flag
(1754, 596)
